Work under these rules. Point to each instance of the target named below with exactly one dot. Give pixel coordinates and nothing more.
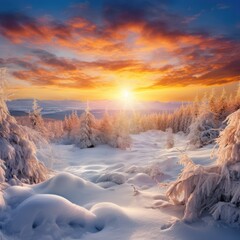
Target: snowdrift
(43, 212)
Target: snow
(108, 193)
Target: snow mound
(68, 186)
(109, 215)
(49, 216)
(43, 215)
(156, 170)
(142, 180)
(115, 177)
(17, 194)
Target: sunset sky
(165, 50)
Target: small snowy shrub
(203, 130)
(214, 189)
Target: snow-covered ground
(107, 193)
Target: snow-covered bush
(36, 120)
(215, 189)
(236, 101)
(203, 129)
(55, 130)
(106, 128)
(120, 137)
(17, 151)
(170, 138)
(88, 134)
(2, 171)
(229, 141)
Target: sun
(127, 95)
(126, 98)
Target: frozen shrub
(2, 171)
(214, 189)
(203, 130)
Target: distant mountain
(57, 109)
(18, 113)
(47, 105)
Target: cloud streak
(121, 41)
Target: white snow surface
(107, 193)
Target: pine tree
(37, 120)
(106, 128)
(66, 125)
(17, 151)
(212, 102)
(120, 137)
(88, 135)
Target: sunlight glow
(127, 98)
(127, 95)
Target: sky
(157, 50)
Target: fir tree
(88, 135)
(17, 151)
(106, 128)
(120, 137)
(36, 119)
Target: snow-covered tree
(2, 171)
(135, 123)
(222, 105)
(106, 128)
(88, 134)
(203, 129)
(74, 120)
(212, 102)
(17, 151)
(120, 137)
(71, 125)
(66, 125)
(195, 107)
(229, 141)
(170, 138)
(237, 98)
(214, 189)
(37, 120)
(55, 130)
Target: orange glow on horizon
(123, 93)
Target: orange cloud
(151, 53)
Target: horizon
(96, 50)
(59, 109)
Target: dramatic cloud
(104, 44)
